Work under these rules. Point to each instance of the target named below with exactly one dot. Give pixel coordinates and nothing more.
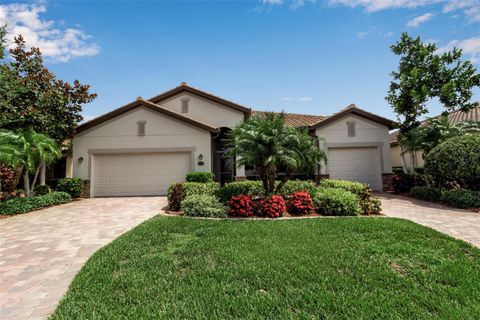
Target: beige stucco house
(144, 146)
(453, 117)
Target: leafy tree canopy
(424, 73)
(32, 96)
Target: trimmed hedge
(234, 189)
(461, 198)
(177, 192)
(426, 193)
(337, 202)
(457, 159)
(293, 186)
(72, 186)
(42, 190)
(202, 177)
(23, 205)
(203, 206)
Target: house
(453, 117)
(144, 146)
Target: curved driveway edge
(40, 252)
(460, 224)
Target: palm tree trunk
(412, 159)
(402, 159)
(34, 182)
(43, 172)
(284, 180)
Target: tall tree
(423, 74)
(30, 95)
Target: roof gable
(140, 102)
(183, 87)
(353, 109)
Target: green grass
(341, 268)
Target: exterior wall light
(80, 159)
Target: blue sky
(312, 57)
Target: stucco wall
(367, 134)
(204, 110)
(162, 132)
(397, 162)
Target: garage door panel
(138, 173)
(355, 164)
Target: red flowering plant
(241, 206)
(273, 206)
(300, 203)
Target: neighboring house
(144, 146)
(454, 118)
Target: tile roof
(454, 117)
(295, 120)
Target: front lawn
(339, 268)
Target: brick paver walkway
(457, 223)
(40, 252)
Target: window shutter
(141, 127)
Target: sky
(312, 57)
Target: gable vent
(351, 128)
(141, 127)
(185, 105)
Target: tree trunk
(26, 183)
(284, 180)
(34, 182)
(412, 159)
(402, 159)
(43, 172)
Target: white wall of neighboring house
(205, 110)
(396, 160)
(121, 133)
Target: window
(141, 127)
(185, 105)
(351, 128)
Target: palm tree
(266, 143)
(28, 150)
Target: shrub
(457, 159)
(202, 177)
(198, 188)
(372, 205)
(293, 186)
(337, 202)
(461, 198)
(8, 178)
(72, 186)
(300, 203)
(362, 190)
(174, 196)
(241, 206)
(233, 189)
(23, 205)
(203, 206)
(42, 190)
(426, 193)
(403, 182)
(273, 206)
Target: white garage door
(138, 174)
(355, 164)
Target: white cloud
(301, 99)
(55, 42)
(272, 2)
(470, 47)
(418, 20)
(378, 31)
(470, 8)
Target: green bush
(234, 189)
(198, 188)
(426, 193)
(461, 198)
(72, 186)
(174, 196)
(457, 159)
(23, 205)
(203, 206)
(294, 186)
(42, 190)
(337, 202)
(202, 177)
(361, 190)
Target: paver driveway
(40, 252)
(460, 224)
